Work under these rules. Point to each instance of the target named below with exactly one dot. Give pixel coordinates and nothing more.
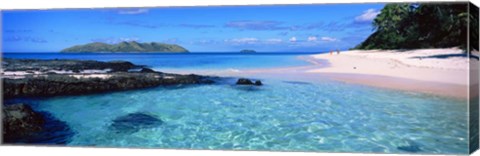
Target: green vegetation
(126, 47)
(474, 27)
(412, 26)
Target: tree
(411, 26)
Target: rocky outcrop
(43, 83)
(76, 66)
(20, 121)
(23, 125)
(244, 81)
(59, 84)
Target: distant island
(248, 51)
(131, 46)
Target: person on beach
(338, 52)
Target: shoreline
(433, 65)
(434, 71)
(434, 88)
(441, 72)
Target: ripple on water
(283, 116)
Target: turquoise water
(321, 116)
(181, 61)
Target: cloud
(172, 41)
(196, 26)
(133, 11)
(312, 38)
(205, 41)
(25, 39)
(312, 42)
(139, 24)
(359, 22)
(367, 16)
(293, 39)
(273, 41)
(114, 40)
(144, 24)
(246, 40)
(255, 25)
(252, 41)
(328, 39)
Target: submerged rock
(411, 146)
(23, 125)
(244, 81)
(134, 122)
(20, 121)
(412, 149)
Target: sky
(264, 28)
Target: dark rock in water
(147, 70)
(54, 131)
(20, 121)
(133, 122)
(64, 64)
(248, 88)
(410, 147)
(244, 81)
(23, 125)
(59, 84)
(54, 84)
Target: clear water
(181, 61)
(324, 116)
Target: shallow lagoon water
(280, 116)
(324, 116)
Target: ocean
(281, 115)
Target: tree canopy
(412, 26)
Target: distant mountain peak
(126, 46)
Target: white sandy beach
(435, 71)
(435, 65)
(438, 71)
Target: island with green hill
(131, 46)
(247, 51)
